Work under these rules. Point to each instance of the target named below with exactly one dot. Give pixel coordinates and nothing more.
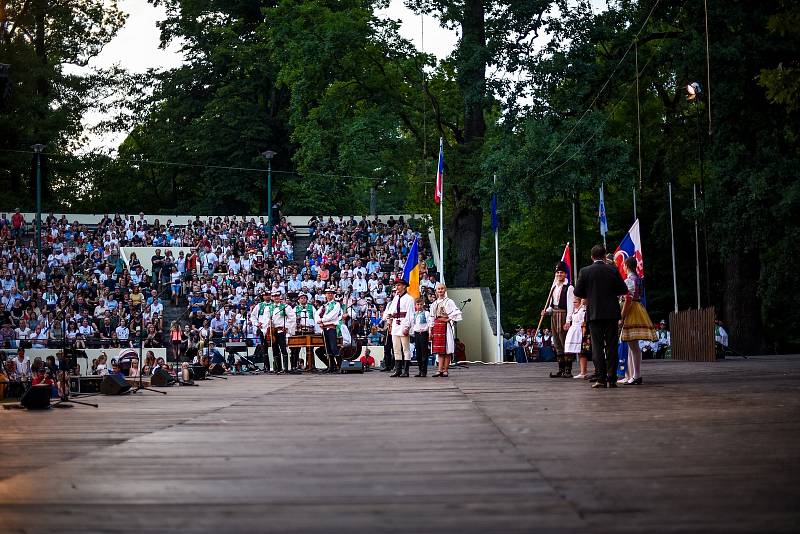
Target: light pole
(693, 92)
(269, 154)
(38, 149)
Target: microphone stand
(139, 386)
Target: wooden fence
(692, 333)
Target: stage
(702, 447)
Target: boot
(398, 369)
(567, 369)
(406, 365)
(560, 372)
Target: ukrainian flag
(411, 270)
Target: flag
(601, 213)
(566, 257)
(630, 246)
(411, 270)
(437, 193)
(495, 221)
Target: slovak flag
(566, 258)
(631, 245)
(437, 193)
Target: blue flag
(601, 213)
(495, 221)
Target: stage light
(693, 90)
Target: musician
(306, 325)
(258, 318)
(559, 306)
(281, 323)
(327, 317)
(444, 313)
(400, 312)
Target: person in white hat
(281, 322)
(328, 316)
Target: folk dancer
(421, 327)
(257, 315)
(445, 313)
(282, 322)
(306, 325)
(400, 312)
(560, 307)
(327, 316)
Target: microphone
(468, 300)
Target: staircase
(301, 242)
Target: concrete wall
(145, 255)
(476, 330)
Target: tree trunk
(464, 233)
(741, 311)
(472, 70)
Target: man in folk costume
(327, 317)
(306, 324)
(258, 318)
(400, 311)
(281, 323)
(444, 313)
(560, 309)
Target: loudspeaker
(352, 367)
(37, 397)
(85, 384)
(217, 369)
(114, 385)
(198, 372)
(161, 379)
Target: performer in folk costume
(420, 327)
(400, 311)
(635, 322)
(306, 324)
(327, 317)
(281, 321)
(576, 335)
(559, 307)
(444, 313)
(259, 316)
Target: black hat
(561, 267)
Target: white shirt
(404, 306)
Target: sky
(136, 48)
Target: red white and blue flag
(630, 246)
(437, 193)
(566, 258)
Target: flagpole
(574, 245)
(497, 284)
(696, 245)
(634, 204)
(441, 217)
(672, 235)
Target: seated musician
(367, 360)
(349, 349)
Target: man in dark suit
(601, 285)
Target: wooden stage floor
(699, 448)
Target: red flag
(566, 258)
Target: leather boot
(406, 365)
(398, 368)
(560, 372)
(568, 368)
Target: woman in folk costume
(400, 313)
(444, 313)
(635, 322)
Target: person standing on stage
(400, 311)
(327, 317)
(636, 324)
(282, 324)
(421, 327)
(259, 315)
(560, 309)
(444, 313)
(601, 285)
(306, 324)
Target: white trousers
(402, 347)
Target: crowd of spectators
(85, 295)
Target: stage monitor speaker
(85, 384)
(217, 369)
(352, 366)
(199, 372)
(114, 385)
(37, 397)
(161, 379)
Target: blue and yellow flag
(411, 270)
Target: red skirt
(439, 337)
